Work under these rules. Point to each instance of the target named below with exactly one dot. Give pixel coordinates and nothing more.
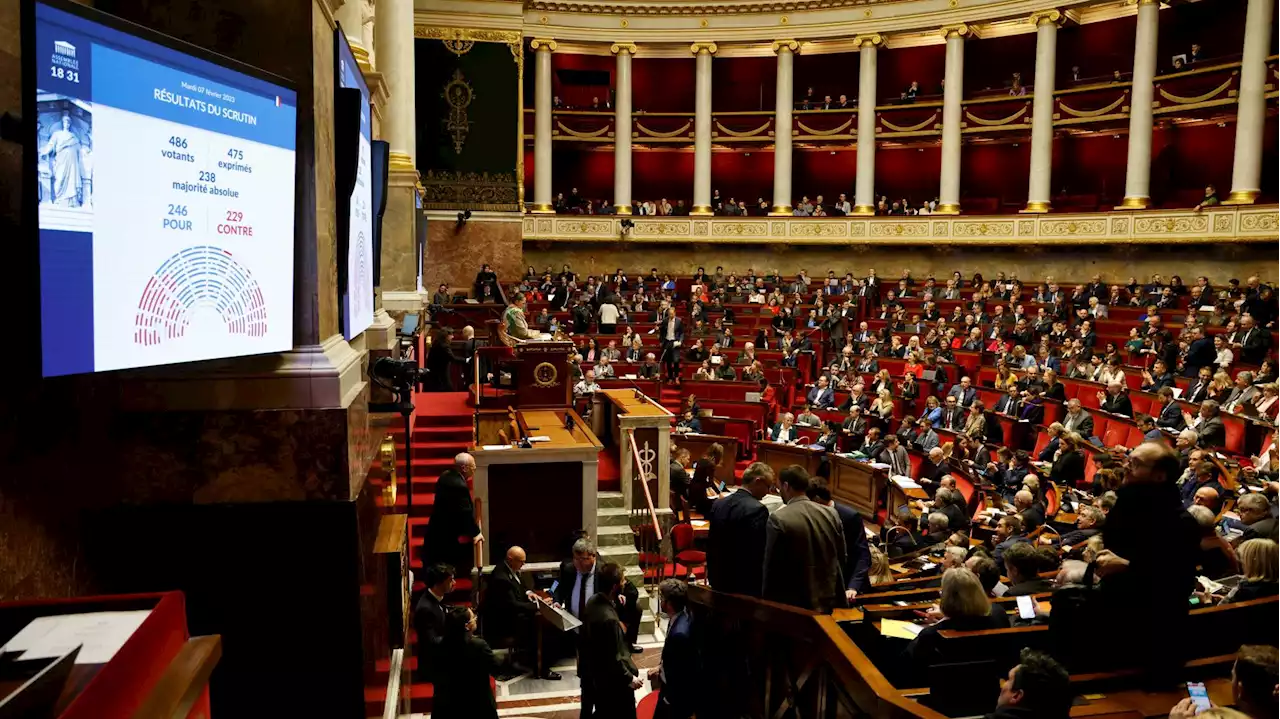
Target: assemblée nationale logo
(64, 55)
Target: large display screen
(166, 190)
(358, 297)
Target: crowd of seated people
(1169, 358)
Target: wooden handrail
(644, 482)
(183, 681)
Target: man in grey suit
(1207, 424)
(804, 549)
(1077, 420)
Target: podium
(779, 456)
(858, 484)
(540, 369)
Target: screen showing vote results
(358, 300)
(166, 190)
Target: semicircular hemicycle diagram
(195, 279)
(364, 278)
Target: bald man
(453, 528)
(509, 612)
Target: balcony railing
(1191, 92)
(1245, 224)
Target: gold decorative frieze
(466, 34)
(1246, 224)
(451, 190)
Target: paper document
(906, 483)
(559, 618)
(539, 438)
(494, 447)
(879, 465)
(899, 629)
(544, 336)
(99, 634)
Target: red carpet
(439, 404)
(609, 471)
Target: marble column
(1039, 186)
(1246, 171)
(542, 126)
(702, 129)
(952, 112)
(1137, 179)
(864, 199)
(784, 100)
(622, 129)
(350, 15)
(393, 35)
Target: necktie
(582, 593)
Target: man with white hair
(748, 354)
(964, 392)
(1077, 420)
(453, 518)
(1024, 503)
(937, 529)
(587, 386)
(650, 368)
(1115, 400)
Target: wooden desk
(858, 484)
(618, 412)
(899, 496)
(537, 497)
(697, 445)
(780, 456)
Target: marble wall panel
(399, 236)
(454, 255)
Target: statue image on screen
(65, 161)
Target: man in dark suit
(1253, 341)
(428, 617)
(857, 551)
(439, 358)
(896, 456)
(1009, 404)
(1022, 563)
(804, 550)
(1089, 522)
(578, 578)
(1025, 504)
(1199, 353)
(680, 673)
(609, 677)
(1208, 425)
(964, 392)
(452, 531)
(953, 416)
(680, 481)
(1115, 400)
(1170, 416)
(1008, 533)
(671, 333)
(507, 610)
(1199, 391)
(736, 539)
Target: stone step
(626, 555)
(610, 500)
(613, 517)
(615, 537)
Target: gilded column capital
(699, 47)
(539, 43)
(867, 40)
(1045, 17)
(618, 47)
(791, 45)
(957, 30)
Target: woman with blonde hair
(882, 406)
(1004, 377)
(1068, 466)
(1258, 561)
(883, 381)
(964, 607)
(879, 574)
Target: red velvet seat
(682, 546)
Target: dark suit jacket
(564, 588)
(1199, 354)
(1027, 588)
(1171, 418)
(963, 397)
(1197, 393)
(439, 357)
(735, 544)
(857, 550)
(428, 622)
(604, 658)
(629, 612)
(803, 555)
(1262, 529)
(452, 516)
(506, 609)
(1212, 433)
(1118, 404)
(462, 688)
(1068, 470)
(681, 669)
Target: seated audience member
(1258, 561)
(689, 423)
(1089, 523)
(951, 502)
(1008, 533)
(1023, 562)
(925, 438)
(429, 618)
(1037, 688)
(1068, 466)
(936, 523)
(785, 430)
(462, 689)
(1115, 400)
(1255, 519)
(821, 395)
(650, 369)
(679, 674)
(705, 486)
(807, 418)
(1024, 503)
(1216, 557)
(735, 546)
(1254, 679)
(901, 536)
(1207, 424)
(896, 456)
(587, 386)
(964, 607)
(507, 609)
(604, 368)
(879, 575)
(1203, 477)
(609, 677)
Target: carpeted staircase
(442, 428)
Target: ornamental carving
(661, 228)
(1026, 228)
(819, 229)
(458, 34)
(701, 229)
(1069, 228)
(739, 229)
(545, 227)
(1260, 222)
(940, 229)
(900, 229)
(451, 190)
(584, 227)
(1170, 225)
(778, 228)
(457, 92)
(982, 229)
(1120, 226)
(1221, 223)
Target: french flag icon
(277, 101)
